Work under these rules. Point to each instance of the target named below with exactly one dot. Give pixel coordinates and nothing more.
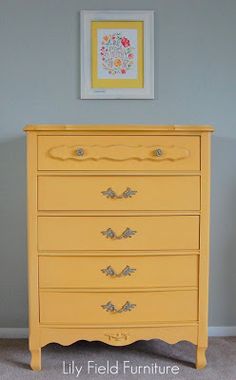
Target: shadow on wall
(222, 311)
(13, 259)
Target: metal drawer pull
(158, 152)
(110, 234)
(109, 307)
(128, 193)
(127, 271)
(80, 152)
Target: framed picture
(117, 55)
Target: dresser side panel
(204, 240)
(33, 297)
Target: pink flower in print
(130, 56)
(125, 42)
(123, 71)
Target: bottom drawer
(84, 308)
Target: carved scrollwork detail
(117, 337)
(119, 152)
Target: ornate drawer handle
(109, 307)
(128, 193)
(158, 152)
(80, 152)
(127, 271)
(110, 234)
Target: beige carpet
(221, 355)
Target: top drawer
(119, 153)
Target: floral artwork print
(117, 54)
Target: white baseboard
(222, 331)
(14, 333)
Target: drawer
(65, 233)
(118, 193)
(117, 153)
(109, 308)
(118, 272)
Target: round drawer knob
(80, 152)
(158, 152)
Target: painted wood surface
(82, 237)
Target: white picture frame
(87, 91)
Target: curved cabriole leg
(36, 359)
(201, 357)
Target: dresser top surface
(117, 127)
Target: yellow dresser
(118, 234)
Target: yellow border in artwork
(117, 83)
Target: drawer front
(109, 308)
(115, 153)
(61, 233)
(118, 272)
(118, 193)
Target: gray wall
(39, 83)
